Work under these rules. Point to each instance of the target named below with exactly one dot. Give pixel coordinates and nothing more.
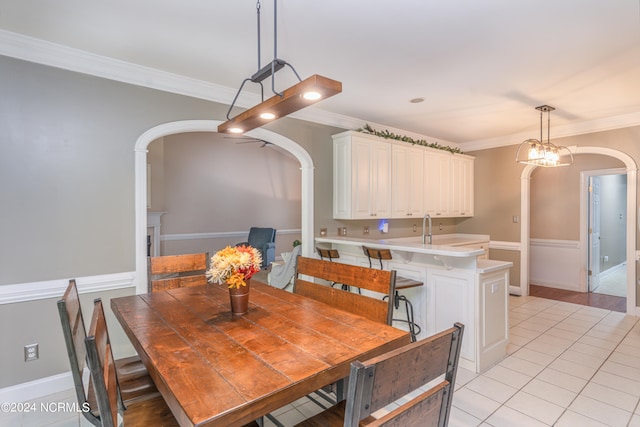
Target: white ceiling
(481, 66)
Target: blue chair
(264, 240)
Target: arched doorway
(525, 191)
(306, 167)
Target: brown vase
(240, 298)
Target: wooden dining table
(218, 369)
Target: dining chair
(332, 254)
(136, 384)
(113, 413)
(177, 271)
(401, 284)
(405, 373)
(379, 281)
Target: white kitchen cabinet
(461, 186)
(437, 167)
(376, 178)
(407, 182)
(361, 177)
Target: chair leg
(414, 328)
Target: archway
(306, 166)
(525, 189)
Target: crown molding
(573, 129)
(43, 52)
(59, 56)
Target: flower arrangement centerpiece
(234, 265)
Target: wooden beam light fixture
(281, 104)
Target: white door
(594, 233)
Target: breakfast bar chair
(401, 283)
(136, 384)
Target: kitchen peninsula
(460, 285)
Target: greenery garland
(389, 135)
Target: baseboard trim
(24, 292)
(37, 388)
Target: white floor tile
(561, 379)
(474, 403)
(600, 411)
(572, 368)
(508, 377)
(619, 399)
(459, 418)
(572, 419)
(534, 407)
(508, 417)
(534, 356)
(492, 389)
(550, 392)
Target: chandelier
(281, 104)
(540, 153)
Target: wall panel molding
(24, 292)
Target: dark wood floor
(607, 302)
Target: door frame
(525, 202)
(584, 220)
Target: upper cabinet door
(361, 178)
(437, 183)
(462, 186)
(407, 182)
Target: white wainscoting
(24, 292)
(555, 263)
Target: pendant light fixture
(298, 96)
(542, 153)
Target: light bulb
(267, 116)
(312, 96)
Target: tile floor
(568, 365)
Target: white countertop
(443, 245)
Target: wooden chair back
(152, 411)
(177, 271)
(382, 380)
(329, 254)
(75, 333)
(102, 368)
(379, 281)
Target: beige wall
(555, 197)
(212, 184)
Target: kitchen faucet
(424, 220)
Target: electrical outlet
(323, 232)
(415, 228)
(31, 352)
(365, 230)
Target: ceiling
(481, 66)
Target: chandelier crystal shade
(539, 153)
(302, 94)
